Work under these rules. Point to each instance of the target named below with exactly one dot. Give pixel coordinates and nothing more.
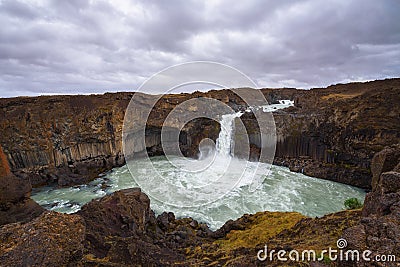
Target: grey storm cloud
(87, 46)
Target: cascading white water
(225, 141)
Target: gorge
(279, 190)
(331, 133)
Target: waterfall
(225, 140)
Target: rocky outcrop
(116, 230)
(15, 204)
(379, 228)
(384, 161)
(279, 231)
(121, 228)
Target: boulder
(121, 228)
(128, 209)
(384, 161)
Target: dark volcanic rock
(22, 211)
(121, 228)
(12, 189)
(379, 229)
(52, 239)
(333, 133)
(384, 161)
(15, 204)
(123, 212)
(70, 139)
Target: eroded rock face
(15, 204)
(65, 139)
(71, 139)
(12, 189)
(333, 133)
(379, 228)
(384, 161)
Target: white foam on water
(281, 191)
(282, 104)
(273, 107)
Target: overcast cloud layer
(83, 46)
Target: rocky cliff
(66, 139)
(15, 202)
(331, 133)
(379, 227)
(71, 139)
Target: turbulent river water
(280, 189)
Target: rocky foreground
(121, 230)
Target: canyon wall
(72, 139)
(64, 139)
(331, 133)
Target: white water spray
(225, 141)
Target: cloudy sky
(88, 46)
